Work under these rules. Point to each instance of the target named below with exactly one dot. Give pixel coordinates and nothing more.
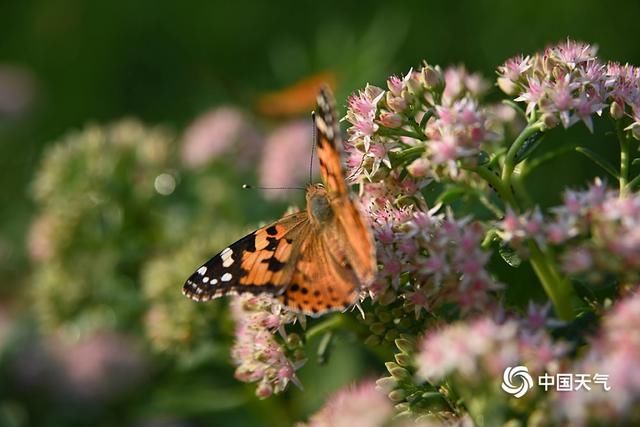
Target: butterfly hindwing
(322, 281)
(262, 261)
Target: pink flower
(361, 405)
(100, 365)
(286, 157)
(256, 352)
(484, 346)
(217, 132)
(616, 354)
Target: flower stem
(635, 181)
(557, 288)
(334, 322)
(496, 182)
(624, 158)
(400, 132)
(510, 159)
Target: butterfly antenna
(313, 145)
(252, 187)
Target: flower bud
(264, 390)
(387, 383)
(432, 78)
(395, 85)
(396, 371)
(508, 86)
(550, 120)
(391, 120)
(293, 340)
(404, 345)
(396, 103)
(397, 395)
(403, 359)
(414, 84)
(616, 110)
(391, 335)
(419, 168)
(377, 328)
(635, 130)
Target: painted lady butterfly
(312, 261)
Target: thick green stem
(555, 285)
(496, 182)
(510, 159)
(557, 288)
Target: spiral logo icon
(521, 376)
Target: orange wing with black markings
(259, 262)
(322, 281)
(329, 138)
(352, 230)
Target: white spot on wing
(227, 257)
(322, 126)
(205, 279)
(214, 281)
(226, 277)
(202, 270)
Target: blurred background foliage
(104, 211)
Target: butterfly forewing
(328, 141)
(350, 223)
(259, 262)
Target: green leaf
(324, 347)
(529, 146)
(510, 256)
(599, 160)
(451, 193)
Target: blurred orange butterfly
(313, 261)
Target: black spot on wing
(272, 244)
(272, 231)
(274, 265)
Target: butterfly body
(313, 261)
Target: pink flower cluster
(486, 347)
(597, 229)
(360, 405)
(437, 114)
(428, 258)
(258, 355)
(566, 83)
(616, 353)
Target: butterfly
(313, 261)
